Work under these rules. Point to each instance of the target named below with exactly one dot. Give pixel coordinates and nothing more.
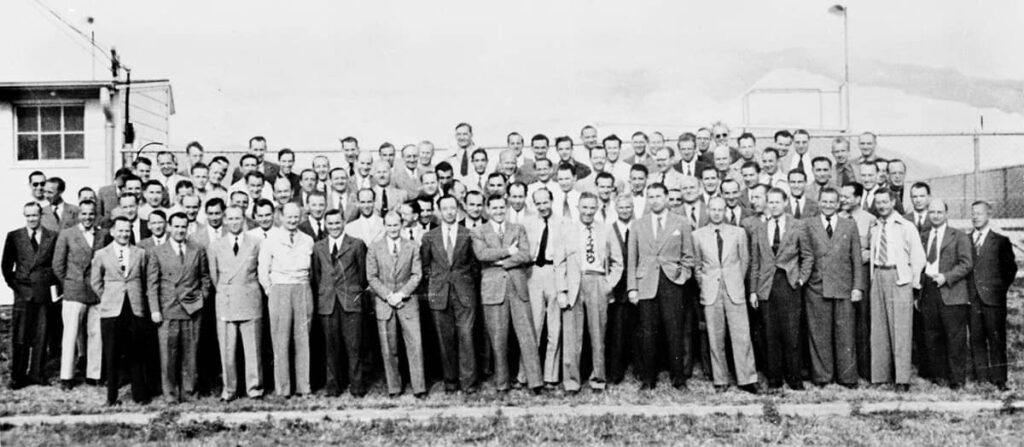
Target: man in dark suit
(117, 276)
(72, 263)
(689, 163)
(28, 270)
(451, 270)
(800, 206)
(944, 299)
(339, 272)
(835, 283)
(620, 344)
(128, 207)
(178, 286)
(258, 148)
(313, 223)
(995, 268)
(563, 147)
(106, 196)
(660, 261)
(59, 214)
(781, 262)
(920, 197)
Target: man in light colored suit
(660, 260)
(72, 263)
(393, 270)
(387, 197)
(59, 214)
(239, 304)
(780, 264)
(587, 268)
(566, 201)
(897, 261)
(340, 196)
(406, 174)
(835, 283)
(671, 178)
(117, 276)
(503, 250)
(722, 259)
(208, 233)
(339, 272)
(178, 286)
(543, 230)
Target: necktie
(181, 252)
(319, 229)
(35, 243)
(120, 259)
(334, 253)
(56, 214)
(604, 211)
(933, 250)
(800, 164)
(718, 240)
(777, 237)
(235, 248)
(566, 211)
(131, 236)
(501, 232)
(828, 227)
(542, 259)
(394, 247)
(383, 202)
(591, 256)
(351, 169)
(448, 245)
(732, 216)
(688, 171)
(883, 247)
(977, 240)
(693, 215)
(464, 168)
(920, 223)
(797, 213)
(658, 228)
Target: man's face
(656, 200)
(122, 232)
(248, 165)
(458, 190)
(233, 220)
(282, 192)
(496, 210)
(841, 153)
(822, 173)
(133, 187)
(322, 167)
(387, 153)
(776, 204)
(920, 198)
(426, 153)
(749, 176)
(479, 163)
(167, 164)
(87, 215)
(335, 225)
(255, 186)
(449, 210)
(292, 215)
(407, 215)
(495, 185)
(516, 143)
(687, 150)
(287, 162)
(675, 199)
(869, 176)
(747, 148)
(544, 172)
(828, 203)
(215, 216)
(605, 189)
(392, 226)
(847, 200)
(265, 217)
(883, 205)
(637, 182)
(445, 177)
(50, 192)
(364, 165)
(474, 206)
(663, 161)
(365, 201)
(716, 211)
(769, 163)
(351, 151)
(32, 216)
(426, 212)
(339, 180)
(508, 165)
(463, 137)
(703, 140)
(624, 208)
(179, 228)
(240, 200)
(897, 174)
(721, 135)
(783, 144)
(200, 177)
(143, 170)
(129, 208)
(564, 150)
(639, 145)
(723, 159)
(801, 143)
(317, 206)
(191, 206)
(797, 185)
(867, 145)
(308, 181)
(657, 142)
(411, 157)
(258, 148)
(195, 155)
(690, 190)
(710, 181)
(517, 198)
(542, 202)
(589, 137)
(540, 149)
(430, 185)
(731, 194)
(979, 216)
(612, 149)
(757, 200)
(565, 180)
(157, 225)
(217, 172)
(382, 175)
(587, 207)
(883, 172)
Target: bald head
(938, 212)
(723, 157)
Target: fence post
(977, 161)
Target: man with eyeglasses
(37, 185)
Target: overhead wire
(90, 40)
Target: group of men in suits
(671, 257)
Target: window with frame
(51, 132)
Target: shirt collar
(89, 231)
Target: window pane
(28, 121)
(51, 119)
(28, 147)
(74, 146)
(74, 117)
(51, 147)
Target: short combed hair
(540, 137)
(182, 184)
(139, 161)
(257, 139)
(39, 208)
(782, 134)
(603, 175)
(801, 132)
(350, 139)
(256, 174)
(194, 144)
(563, 139)
(516, 184)
(775, 190)
(565, 166)
(478, 151)
(985, 203)
(444, 166)
(281, 153)
(729, 181)
(160, 213)
(641, 135)
(858, 188)
(922, 185)
(86, 202)
(198, 166)
(215, 202)
(884, 190)
(450, 197)
(828, 190)
(538, 161)
(609, 138)
(687, 136)
(244, 157)
(178, 215)
(513, 134)
(821, 159)
(588, 195)
(751, 164)
(658, 186)
(770, 150)
(262, 203)
(542, 189)
(59, 182)
(466, 125)
(795, 171)
(639, 167)
(746, 136)
(494, 197)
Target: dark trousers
(988, 341)
(620, 342)
(454, 326)
(179, 345)
(121, 338)
(831, 337)
(700, 344)
(945, 334)
(862, 333)
(29, 341)
(675, 313)
(343, 331)
(208, 367)
(782, 313)
(917, 347)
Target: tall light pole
(840, 10)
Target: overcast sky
(305, 72)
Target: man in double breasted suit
(722, 258)
(239, 303)
(995, 268)
(72, 264)
(118, 276)
(660, 260)
(393, 271)
(28, 270)
(780, 264)
(834, 285)
(944, 300)
(504, 254)
(339, 273)
(178, 285)
(452, 270)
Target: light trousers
(249, 332)
(545, 311)
(291, 314)
(81, 337)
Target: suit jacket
(698, 167)
(794, 257)
(646, 160)
(701, 212)
(458, 277)
(270, 171)
(28, 272)
(149, 243)
(568, 265)
(401, 179)
(670, 253)
(955, 263)
(235, 277)
(307, 228)
(489, 249)
(711, 274)
(202, 235)
(114, 286)
(106, 200)
(68, 217)
(342, 281)
(926, 223)
(995, 268)
(622, 238)
(527, 173)
(395, 197)
(743, 211)
(810, 208)
(350, 207)
(72, 263)
(174, 286)
(534, 227)
(672, 179)
(838, 268)
(387, 273)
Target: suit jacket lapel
(947, 238)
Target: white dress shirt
(89, 234)
(935, 236)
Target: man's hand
(633, 297)
(856, 295)
(156, 317)
(563, 300)
(753, 300)
(940, 279)
(513, 250)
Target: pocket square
(675, 233)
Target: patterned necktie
(883, 246)
(828, 228)
(181, 252)
(658, 228)
(933, 249)
(693, 215)
(718, 240)
(56, 214)
(591, 256)
(977, 240)
(120, 260)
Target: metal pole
(846, 65)
(977, 161)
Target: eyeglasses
(721, 135)
(38, 184)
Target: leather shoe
(902, 387)
(750, 388)
(66, 385)
(420, 395)
(796, 386)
